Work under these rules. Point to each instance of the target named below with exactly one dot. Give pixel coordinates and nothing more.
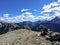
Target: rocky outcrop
(23, 37)
(27, 37)
(6, 27)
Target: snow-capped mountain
(55, 20)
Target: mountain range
(53, 24)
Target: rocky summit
(23, 37)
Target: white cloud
(52, 7)
(46, 7)
(58, 1)
(46, 11)
(26, 16)
(5, 15)
(44, 18)
(24, 10)
(53, 4)
(57, 14)
(36, 10)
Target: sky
(28, 10)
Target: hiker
(44, 31)
(49, 31)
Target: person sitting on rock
(44, 31)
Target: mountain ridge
(54, 25)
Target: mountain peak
(56, 17)
(55, 20)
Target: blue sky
(13, 7)
(36, 8)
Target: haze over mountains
(54, 25)
(26, 16)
